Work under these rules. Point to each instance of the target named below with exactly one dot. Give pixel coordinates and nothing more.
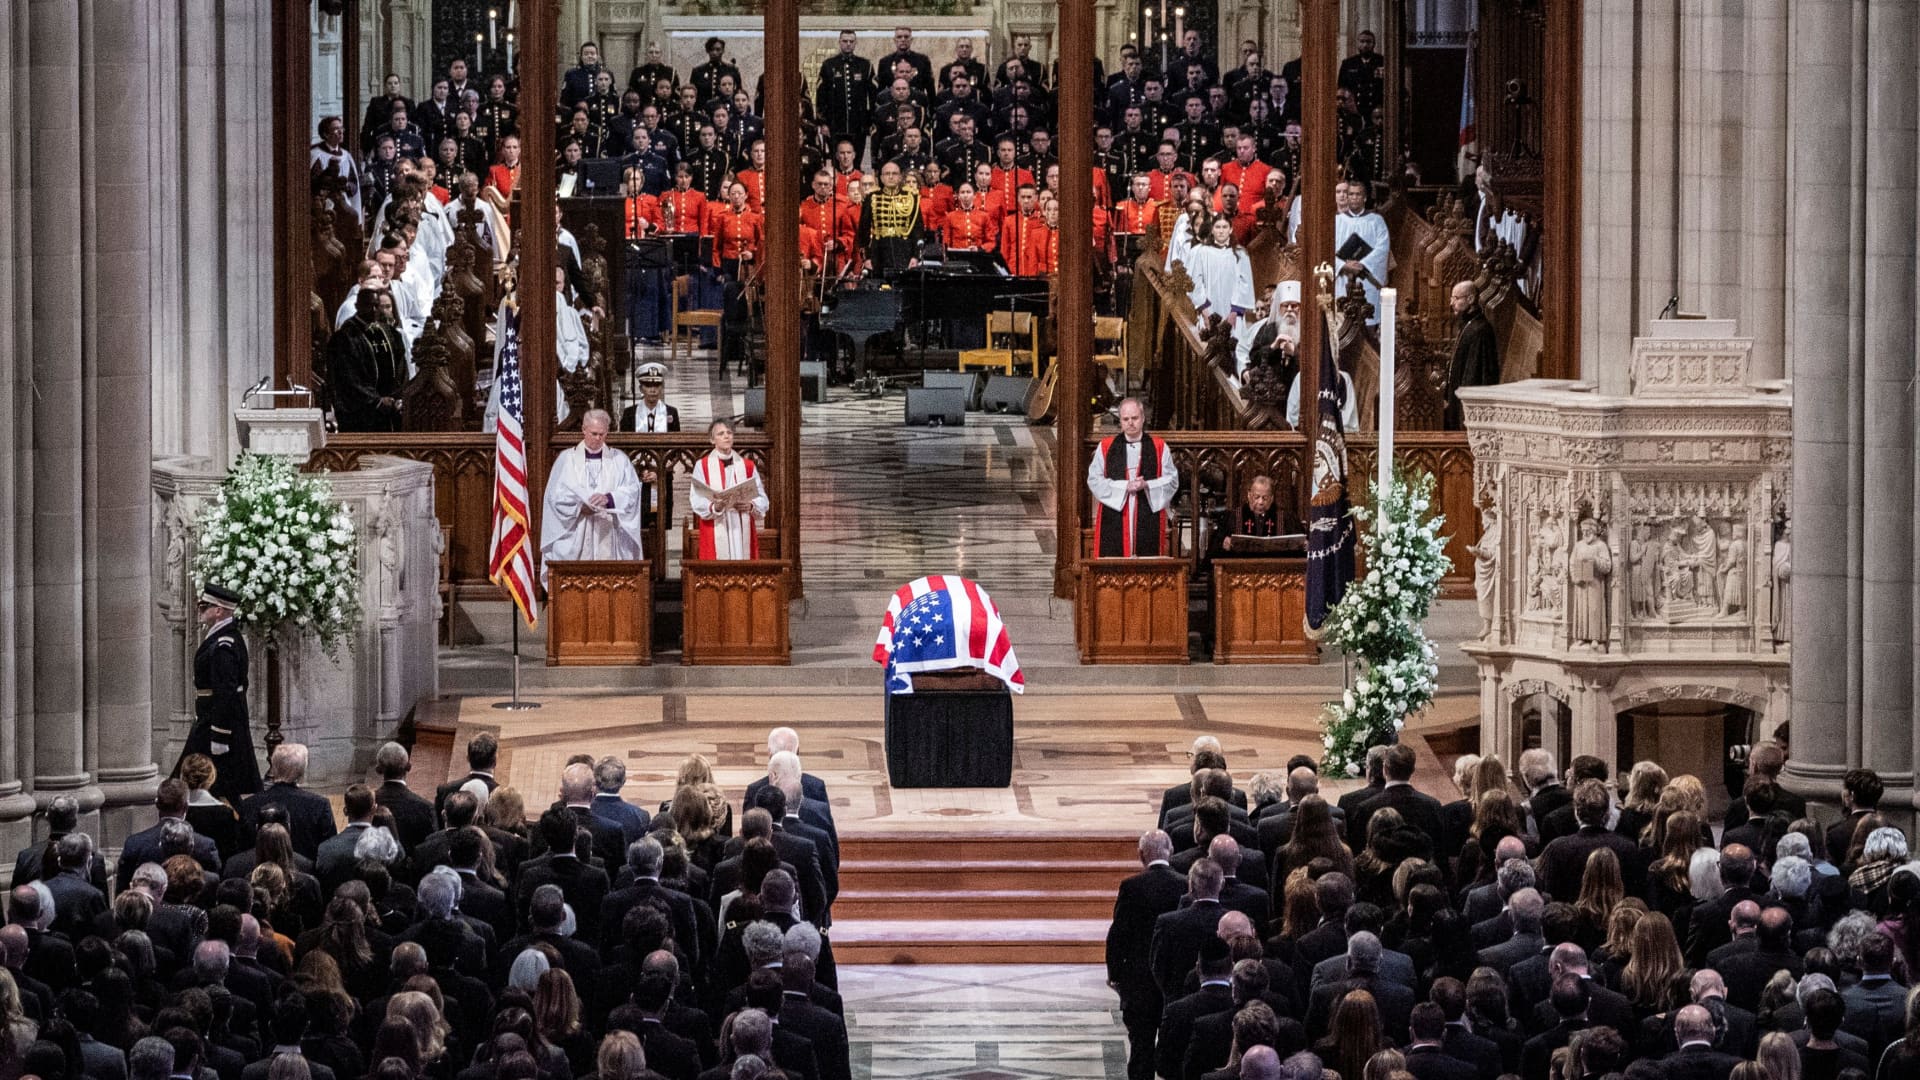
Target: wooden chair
(1110, 350)
(689, 320)
(1005, 348)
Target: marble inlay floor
(885, 503)
(997, 1022)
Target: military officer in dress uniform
(845, 94)
(652, 414)
(890, 229)
(220, 726)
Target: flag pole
(516, 705)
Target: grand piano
(959, 292)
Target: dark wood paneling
(736, 612)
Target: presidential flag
(939, 623)
(1330, 533)
(511, 563)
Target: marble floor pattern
(885, 503)
(985, 1022)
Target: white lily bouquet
(1378, 622)
(277, 538)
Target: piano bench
(987, 358)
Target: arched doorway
(1703, 737)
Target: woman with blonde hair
(696, 769)
(1669, 878)
(210, 815)
(1384, 1065)
(1353, 1035)
(621, 1058)
(506, 811)
(430, 1029)
(1617, 948)
(699, 827)
(1682, 793)
(1647, 980)
(1456, 817)
(1644, 786)
(18, 1028)
(556, 1016)
(1781, 1058)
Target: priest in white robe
(1132, 476)
(1222, 276)
(1370, 268)
(593, 503)
(1349, 405)
(731, 529)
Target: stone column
(1765, 314)
(1826, 125)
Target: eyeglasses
(204, 605)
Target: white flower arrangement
(278, 539)
(1378, 623)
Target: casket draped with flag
(943, 622)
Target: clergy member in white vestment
(1222, 276)
(1356, 220)
(331, 153)
(1280, 330)
(727, 530)
(1133, 478)
(593, 502)
(1349, 405)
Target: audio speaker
(756, 414)
(813, 381)
(1006, 393)
(947, 405)
(965, 381)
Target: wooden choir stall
(599, 612)
(736, 609)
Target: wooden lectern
(599, 612)
(736, 609)
(1260, 610)
(1132, 611)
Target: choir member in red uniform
(503, 179)
(1006, 172)
(846, 168)
(1164, 170)
(936, 198)
(968, 226)
(1015, 228)
(849, 222)
(1041, 254)
(737, 232)
(683, 208)
(754, 178)
(825, 213)
(643, 214)
(1137, 212)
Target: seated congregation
(1554, 927)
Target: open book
(744, 491)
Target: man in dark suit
(799, 1012)
(1351, 802)
(50, 957)
(1204, 754)
(63, 817)
(1212, 817)
(1176, 1021)
(1143, 898)
(1696, 1059)
(1483, 902)
(643, 858)
(413, 816)
(1604, 1007)
(1513, 875)
(1364, 918)
(792, 821)
(1735, 1030)
(79, 909)
(669, 1053)
(785, 739)
(1237, 894)
(794, 848)
(1395, 1001)
(1710, 924)
(1563, 820)
(609, 776)
(1427, 1055)
(784, 772)
(1764, 762)
(1179, 935)
(1525, 909)
(1569, 1001)
(145, 847)
(546, 914)
(1860, 792)
(309, 816)
(1563, 861)
(1748, 972)
(479, 898)
(582, 884)
(1460, 1041)
(1334, 892)
(1275, 826)
(1542, 779)
(449, 940)
(1419, 809)
(1218, 783)
(334, 862)
(576, 800)
(1875, 1004)
(483, 754)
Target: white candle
(1389, 299)
(513, 9)
(509, 50)
(1180, 26)
(493, 28)
(478, 40)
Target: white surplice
(726, 534)
(1372, 228)
(1222, 281)
(570, 527)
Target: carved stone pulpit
(1634, 549)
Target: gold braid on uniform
(896, 214)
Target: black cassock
(220, 713)
(366, 361)
(1476, 362)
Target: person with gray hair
(1524, 909)
(150, 1059)
(527, 967)
(81, 908)
(786, 740)
(63, 816)
(1260, 1063)
(777, 893)
(1364, 958)
(1376, 770)
(1275, 826)
(413, 816)
(751, 1032)
(763, 944)
(1143, 898)
(640, 884)
(609, 776)
(1693, 1033)
(309, 815)
(1305, 1065)
(210, 962)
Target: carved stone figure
(1546, 566)
(1733, 570)
(1782, 584)
(1589, 568)
(173, 568)
(1643, 572)
(387, 531)
(1486, 565)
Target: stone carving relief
(1783, 584)
(1486, 566)
(1541, 507)
(1689, 551)
(1589, 570)
(173, 566)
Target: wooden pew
(599, 612)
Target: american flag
(1329, 529)
(941, 622)
(511, 565)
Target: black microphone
(1673, 305)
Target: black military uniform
(709, 166)
(602, 108)
(890, 229)
(844, 99)
(220, 727)
(706, 79)
(494, 121)
(644, 77)
(1199, 140)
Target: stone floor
(989, 1022)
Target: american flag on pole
(511, 563)
(941, 622)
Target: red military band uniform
(1009, 180)
(1102, 233)
(1042, 254)
(756, 185)
(687, 210)
(1160, 184)
(1250, 179)
(830, 220)
(848, 226)
(936, 203)
(642, 215)
(1014, 230)
(1135, 215)
(735, 232)
(812, 246)
(974, 229)
(840, 181)
(1102, 191)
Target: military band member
(706, 78)
(683, 208)
(968, 226)
(1016, 227)
(845, 93)
(497, 118)
(850, 223)
(890, 226)
(825, 213)
(644, 77)
(1042, 255)
(709, 165)
(221, 729)
(754, 177)
(936, 197)
(652, 414)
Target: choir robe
(366, 361)
(570, 528)
(969, 230)
(320, 159)
(1372, 228)
(1125, 524)
(1222, 281)
(727, 534)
